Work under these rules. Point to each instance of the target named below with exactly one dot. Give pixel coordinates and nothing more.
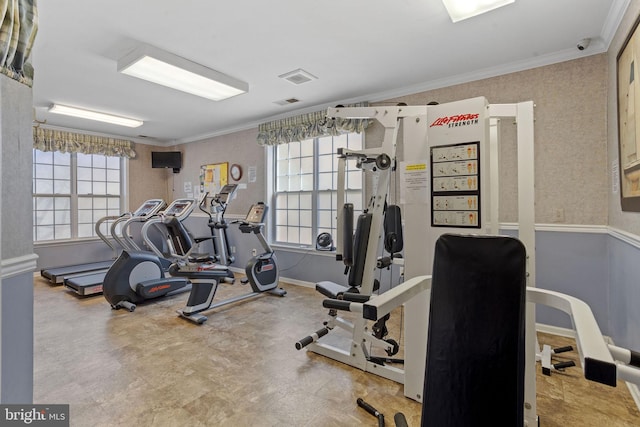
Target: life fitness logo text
(456, 121)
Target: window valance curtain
(18, 29)
(306, 126)
(69, 142)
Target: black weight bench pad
(474, 372)
(331, 289)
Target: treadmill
(91, 283)
(56, 275)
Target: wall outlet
(254, 251)
(233, 249)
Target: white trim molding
(297, 282)
(555, 330)
(20, 265)
(573, 228)
(625, 236)
(561, 228)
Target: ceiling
(359, 50)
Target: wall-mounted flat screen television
(167, 159)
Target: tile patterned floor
(152, 368)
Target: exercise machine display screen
(179, 207)
(150, 207)
(226, 192)
(257, 213)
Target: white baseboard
(298, 282)
(555, 330)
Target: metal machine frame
(380, 161)
(413, 293)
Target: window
(306, 182)
(72, 191)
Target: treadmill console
(257, 213)
(150, 207)
(180, 208)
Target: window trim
(271, 194)
(74, 239)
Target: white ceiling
(360, 50)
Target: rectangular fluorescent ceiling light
(463, 9)
(157, 66)
(95, 115)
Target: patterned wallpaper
(572, 182)
(570, 137)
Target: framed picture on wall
(628, 78)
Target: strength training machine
(360, 254)
(477, 342)
(449, 145)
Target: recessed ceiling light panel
(463, 9)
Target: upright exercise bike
(261, 270)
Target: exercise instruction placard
(455, 185)
(414, 182)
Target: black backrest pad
(360, 243)
(393, 241)
(475, 350)
(347, 234)
(179, 235)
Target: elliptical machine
(137, 276)
(261, 270)
(221, 248)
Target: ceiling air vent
(298, 76)
(287, 101)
